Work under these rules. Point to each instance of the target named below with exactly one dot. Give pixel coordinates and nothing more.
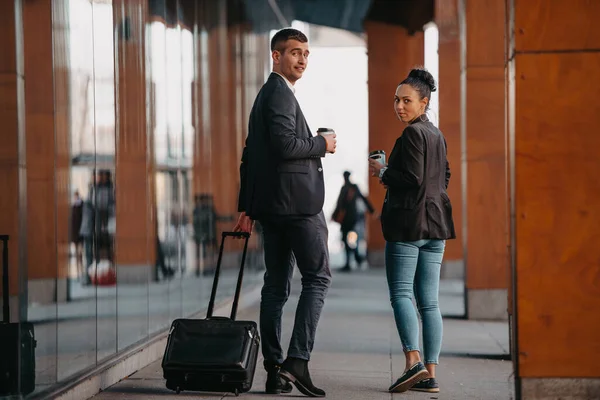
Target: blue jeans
(415, 267)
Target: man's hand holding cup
(329, 136)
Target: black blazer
(416, 205)
(281, 171)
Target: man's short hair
(284, 35)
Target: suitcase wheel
(236, 392)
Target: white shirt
(287, 82)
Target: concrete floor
(358, 354)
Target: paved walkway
(358, 354)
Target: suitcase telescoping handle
(5, 296)
(236, 298)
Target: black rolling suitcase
(216, 354)
(17, 342)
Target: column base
(376, 258)
(560, 388)
(47, 291)
(489, 304)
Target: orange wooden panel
(386, 69)
(446, 18)
(487, 254)
(40, 229)
(42, 215)
(449, 116)
(9, 118)
(132, 203)
(8, 39)
(225, 161)
(133, 250)
(485, 116)
(487, 229)
(485, 25)
(12, 174)
(40, 144)
(551, 25)
(135, 234)
(9, 219)
(38, 50)
(557, 213)
(130, 77)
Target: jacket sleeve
(243, 175)
(281, 122)
(408, 171)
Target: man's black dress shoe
(275, 384)
(295, 370)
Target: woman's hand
(374, 167)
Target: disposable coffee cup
(378, 155)
(322, 131)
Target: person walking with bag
(416, 221)
(282, 187)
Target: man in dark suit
(282, 187)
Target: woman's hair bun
(423, 75)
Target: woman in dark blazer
(416, 221)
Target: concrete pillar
(554, 120)
(449, 117)
(485, 229)
(135, 202)
(392, 53)
(13, 171)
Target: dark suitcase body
(216, 354)
(17, 342)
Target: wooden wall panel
(487, 192)
(225, 161)
(12, 135)
(557, 213)
(552, 25)
(39, 112)
(449, 112)
(554, 102)
(135, 236)
(386, 68)
(485, 32)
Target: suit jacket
(281, 171)
(416, 205)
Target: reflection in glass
(158, 300)
(133, 261)
(145, 171)
(76, 328)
